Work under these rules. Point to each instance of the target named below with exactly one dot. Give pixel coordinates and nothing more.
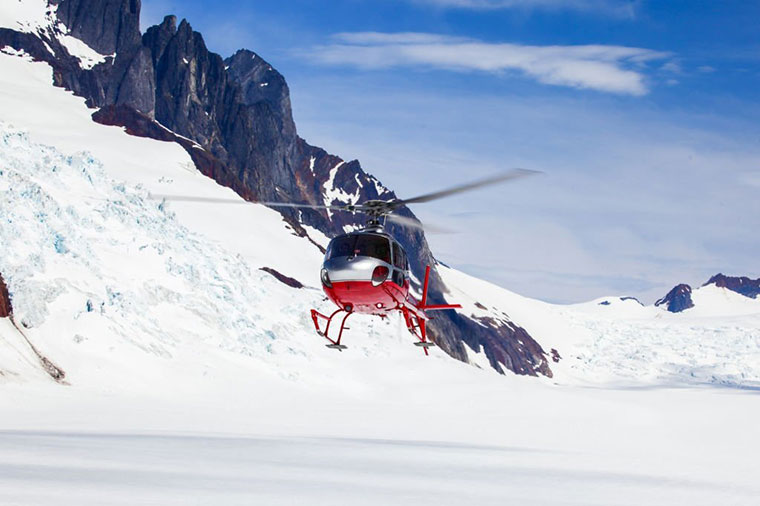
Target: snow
(87, 56)
(36, 16)
(17, 361)
(715, 301)
(317, 236)
(13, 52)
(127, 469)
(28, 16)
(196, 378)
(380, 189)
(626, 344)
(333, 194)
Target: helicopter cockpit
(364, 256)
(360, 245)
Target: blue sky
(642, 114)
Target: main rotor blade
(412, 223)
(212, 200)
(492, 180)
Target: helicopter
(367, 271)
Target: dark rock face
(743, 285)
(504, 343)
(262, 84)
(234, 118)
(108, 26)
(5, 300)
(677, 300)
(291, 282)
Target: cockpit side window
(342, 246)
(373, 246)
(399, 258)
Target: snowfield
(193, 377)
(618, 341)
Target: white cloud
(672, 67)
(613, 69)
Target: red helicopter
(367, 271)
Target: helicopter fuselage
(366, 272)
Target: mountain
(678, 299)
(743, 285)
(233, 117)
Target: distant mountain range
(679, 298)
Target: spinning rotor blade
(496, 179)
(211, 200)
(412, 223)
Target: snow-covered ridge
(38, 17)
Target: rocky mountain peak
(742, 284)
(169, 24)
(678, 299)
(261, 84)
(157, 37)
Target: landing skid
(316, 316)
(413, 311)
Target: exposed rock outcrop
(291, 282)
(5, 300)
(743, 285)
(108, 26)
(234, 118)
(677, 300)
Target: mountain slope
(235, 115)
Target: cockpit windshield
(368, 245)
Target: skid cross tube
(316, 316)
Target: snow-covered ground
(619, 341)
(196, 378)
